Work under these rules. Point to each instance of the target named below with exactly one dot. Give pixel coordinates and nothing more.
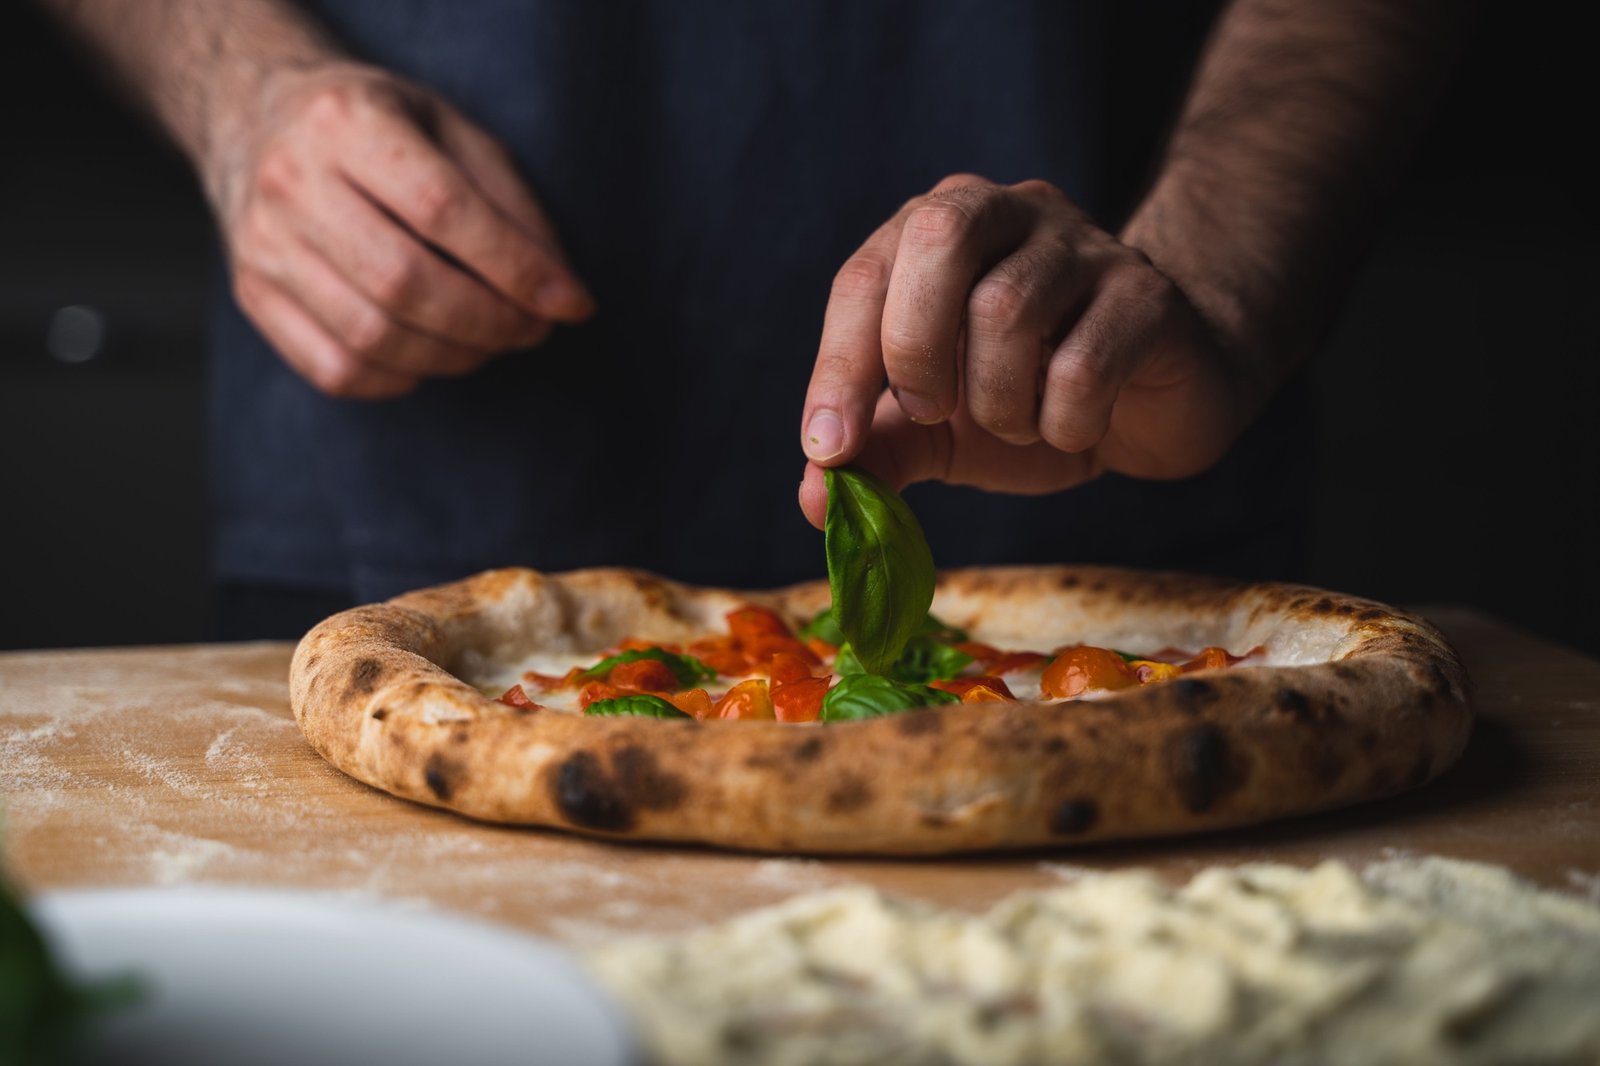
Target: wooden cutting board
(166, 766)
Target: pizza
(1031, 707)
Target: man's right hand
(377, 237)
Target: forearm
(199, 66)
(1297, 114)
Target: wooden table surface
(163, 766)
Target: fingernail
(918, 408)
(824, 436)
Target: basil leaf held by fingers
(880, 570)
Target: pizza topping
(980, 689)
(515, 697)
(695, 702)
(799, 701)
(685, 669)
(748, 701)
(859, 696)
(1079, 668)
(640, 705)
(880, 570)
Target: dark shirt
(709, 166)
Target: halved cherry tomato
(1148, 670)
(722, 654)
(979, 651)
(547, 682)
(1212, 658)
(764, 646)
(747, 701)
(1078, 669)
(799, 701)
(644, 675)
(824, 651)
(695, 702)
(982, 688)
(750, 622)
(597, 690)
(784, 668)
(1012, 661)
(515, 697)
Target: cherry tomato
(749, 622)
(1078, 669)
(981, 688)
(1012, 661)
(722, 654)
(597, 690)
(695, 702)
(799, 701)
(515, 697)
(747, 701)
(1148, 671)
(547, 682)
(644, 675)
(979, 651)
(764, 646)
(785, 667)
(824, 651)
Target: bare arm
(1028, 350)
(376, 236)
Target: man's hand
(1026, 350)
(377, 237)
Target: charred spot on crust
(364, 677)
(1438, 682)
(1068, 581)
(1292, 701)
(1054, 745)
(807, 750)
(1371, 614)
(586, 796)
(443, 775)
(459, 735)
(1321, 606)
(919, 723)
(1325, 765)
(313, 659)
(1075, 816)
(642, 780)
(380, 714)
(1197, 762)
(1368, 740)
(851, 794)
(1194, 693)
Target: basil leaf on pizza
(823, 627)
(640, 706)
(686, 668)
(880, 571)
(861, 696)
(924, 659)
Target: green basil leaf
(880, 570)
(923, 660)
(823, 627)
(860, 696)
(686, 668)
(642, 706)
(940, 630)
(1126, 657)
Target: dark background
(1456, 400)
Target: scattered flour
(1417, 961)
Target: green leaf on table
(860, 696)
(880, 570)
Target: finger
(946, 242)
(848, 374)
(308, 348)
(406, 278)
(1116, 335)
(408, 175)
(363, 329)
(485, 161)
(1012, 317)
(903, 452)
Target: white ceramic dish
(249, 977)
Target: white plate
(244, 976)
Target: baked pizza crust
(1358, 701)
